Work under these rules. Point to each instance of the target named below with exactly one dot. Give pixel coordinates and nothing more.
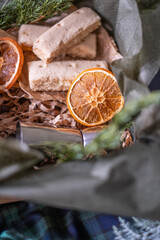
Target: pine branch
(138, 229)
(17, 12)
(126, 231)
(117, 233)
(108, 138)
(145, 224)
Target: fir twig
(145, 224)
(13, 13)
(109, 137)
(138, 229)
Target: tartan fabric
(30, 221)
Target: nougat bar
(66, 33)
(85, 49)
(28, 34)
(57, 76)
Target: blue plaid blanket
(30, 221)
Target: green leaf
(16, 157)
(118, 183)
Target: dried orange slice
(11, 62)
(94, 97)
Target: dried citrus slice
(94, 97)
(11, 62)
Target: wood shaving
(16, 105)
(126, 138)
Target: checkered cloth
(30, 221)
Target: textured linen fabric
(30, 221)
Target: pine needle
(13, 13)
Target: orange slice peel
(11, 62)
(94, 97)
